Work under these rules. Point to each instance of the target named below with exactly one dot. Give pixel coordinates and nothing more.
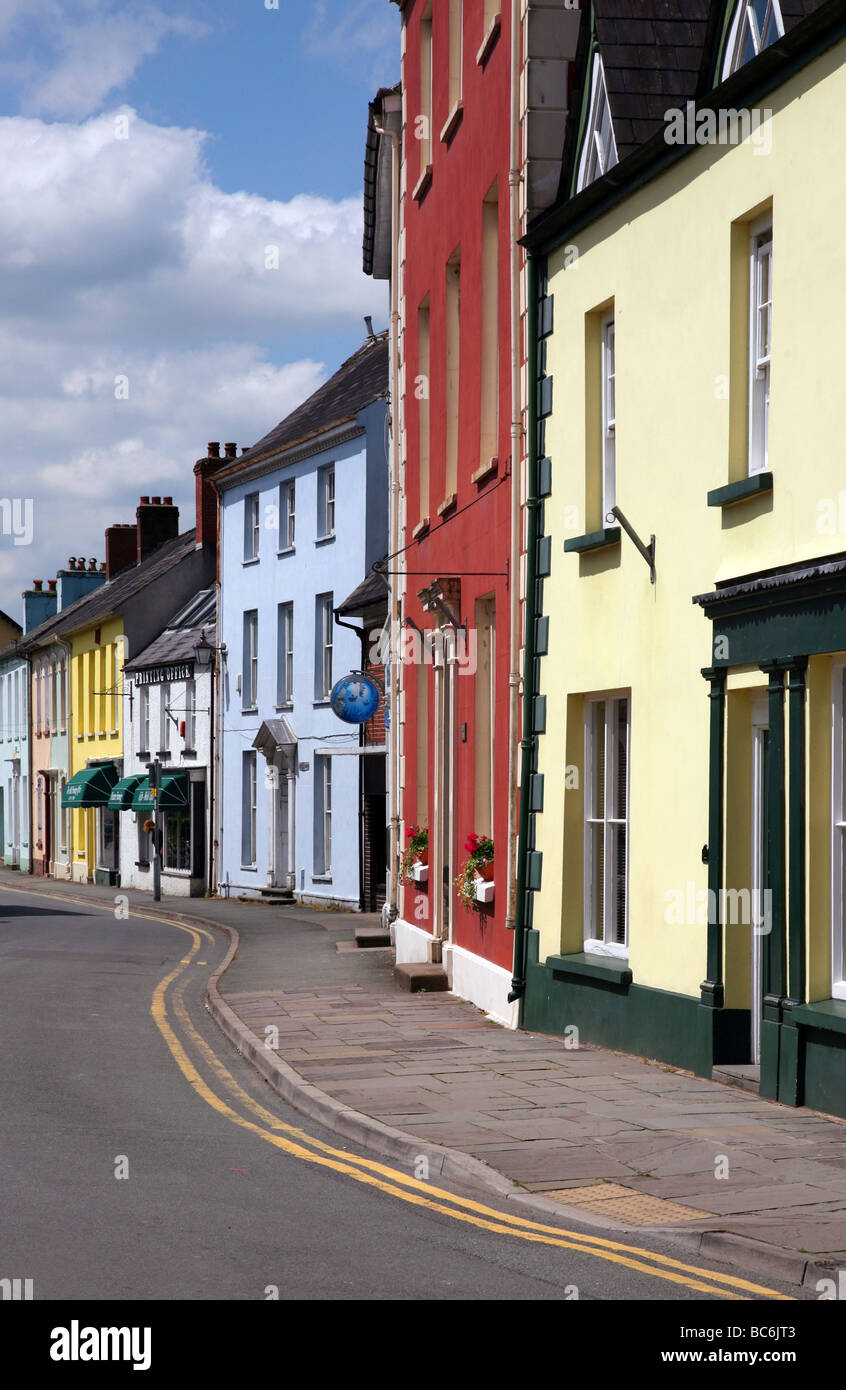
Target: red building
(479, 146)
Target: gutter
(518, 983)
(361, 635)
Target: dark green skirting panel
(825, 1072)
(626, 1017)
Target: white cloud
(349, 31)
(73, 55)
(121, 259)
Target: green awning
(90, 787)
(173, 794)
(123, 792)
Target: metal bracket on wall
(647, 551)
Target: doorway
(759, 884)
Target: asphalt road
(143, 1158)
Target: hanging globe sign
(355, 698)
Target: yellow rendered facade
(672, 260)
(97, 656)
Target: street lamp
(205, 657)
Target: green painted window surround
(594, 540)
(752, 486)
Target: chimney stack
(206, 493)
(121, 549)
(156, 523)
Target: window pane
(622, 768)
(618, 923)
(597, 881)
(597, 788)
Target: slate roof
(657, 54)
(4, 617)
(358, 382)
(371, 174)
(370, 593)
(107, 601)
(178, 640)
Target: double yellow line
(392, 1181)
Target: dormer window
(756, 24)
(599, 151)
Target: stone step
(372, 936)
(745, 1077)
(277, 896)
(417, 976)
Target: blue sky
(149, 155)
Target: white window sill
(249, 868)
(288, 705)
(324, 702)
(324, 540)
(321, 878)
(253, 560)
(288, 550)
(600, 948)
(249, 709)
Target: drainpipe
(362, 637)
(216, 707)
(393, 546)
(516, 472)
(518, 983)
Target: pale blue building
(304, 515)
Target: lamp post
(205, 657)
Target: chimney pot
(231, 450)
(92, 563)
(167, 501)
(156, 501)
(38, 585)
(51, 585)
(145, 501)
(214, 449)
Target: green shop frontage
(91, 790)
(772, 1003)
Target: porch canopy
(173, 793)
(123, 792)
(90, 787)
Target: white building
(170, 719)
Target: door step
(277, 897)
(418, 976)
(746, 1077)
(372, 936)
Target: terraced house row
(576, 518)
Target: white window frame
(252, 526)
(838, 834)
(326, 816)
(144, 717)
(250, 775)
(612, 701)
(191, 713)
(164, 718)
(745, 25)
(598, 154)
(285, 655)
(609, 415)
(326, 510)
(325, 646)
(249, 697)
(287, 514)
(760, 352)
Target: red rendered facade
(470, 540)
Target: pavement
(621, 1143)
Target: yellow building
(684, 839)
(96, 745)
